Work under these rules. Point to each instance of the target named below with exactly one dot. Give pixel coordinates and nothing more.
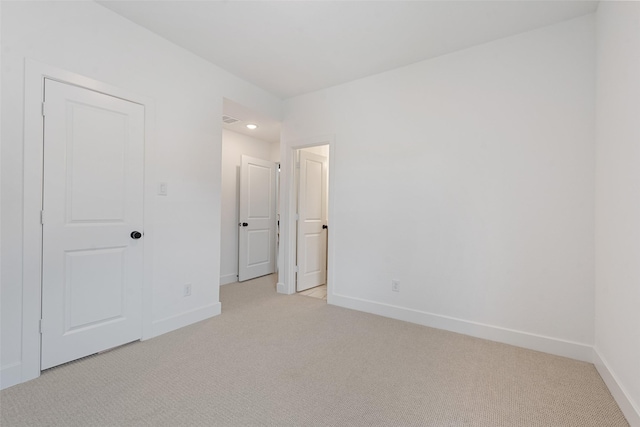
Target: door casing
(35, 74)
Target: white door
(92, 203)
(312, 221)
(257, 225)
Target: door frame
(288, 204)
(33, 164)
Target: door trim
(35, 74)
(288, 202)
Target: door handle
(324, 226)
(243, 224)
(135, 235)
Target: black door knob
(324, 226)
(135, 235)
(244, 224)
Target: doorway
(33, 323)
(249, 196)
(312, 195)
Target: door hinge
(44, 110)
(42, 217)
(297, 217)
(40, 325)
(297, 269)
(297, 165)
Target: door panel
(312, 212)
(93, 200)
(96, 273)
(260, 195)
(313, 261)
(97, 149)
(313, 190)
(257, 250)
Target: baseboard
(181, 320)
(281, 288)
(573, 350)
(228, 278)
(10, 375)
(630, 409)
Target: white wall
(469, 178)
(617, 326)
(87, 39)
(234, 145)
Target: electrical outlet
(187, 290)
(395, 285)
(162, 189)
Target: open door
(312, 222)
(257, 222)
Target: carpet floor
(278, 360)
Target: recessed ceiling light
(252, 126)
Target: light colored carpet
(276, 360)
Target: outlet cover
(187, 290)
(395, 285)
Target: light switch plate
(162, 189)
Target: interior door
(257, 225)
(312, 221)
(92, 266)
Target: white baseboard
(630, 409)
(573, 350)
(281, 288)
(181, 320)
(228, 278)
(10, 375)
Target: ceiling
(290, 48)
(268, 128)
(293, 47)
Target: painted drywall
(617, 321)
(87, 39)
(470, 179)
(234, 145)
(275, 152)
